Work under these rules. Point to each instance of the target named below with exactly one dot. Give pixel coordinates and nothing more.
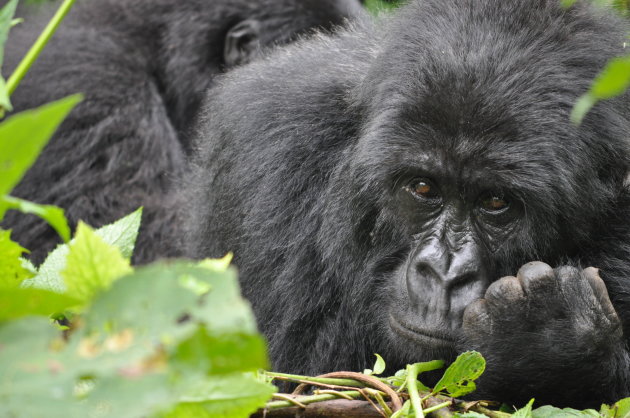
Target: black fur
(143, 66)
(301, 167)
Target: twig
(309, 399)
(313, 380)
(437, 409)
(366, 381)
(289, 399)
(379, 398)
(327, 409)
(369, 399)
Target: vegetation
(87, 334)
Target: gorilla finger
(601, 292)
(504, 293)
(477, 319)
(537, 277)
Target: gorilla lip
(433, 337)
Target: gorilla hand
(530, 321)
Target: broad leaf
(121, 234)
(52, 214)
(12, 270)
(23, 136)
(553, 412)
(92, 265)
(458, 379)
(19, 302)
(525, 412)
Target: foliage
(87, 335)
(133, 343)
(457, 380)
(613, 81)
(377, 6)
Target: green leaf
(221, 353)
(5, 100)
(34, 382)
(379, 366)
(121, 234)
(52, 214)
(378, 6)
(582, 107)
(147, 346)
(458, 379)
(525, 412)
(620, 409)
(217, 264)
(6, 19)
(548, 411)
(23, 136)
(19, 302)
(403, 412)
(92, 265)
(613, 80)
(231, 396)
(469, 414)
(12, 270)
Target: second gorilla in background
(143, 66)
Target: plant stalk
(38, 46)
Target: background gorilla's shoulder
(279, 116)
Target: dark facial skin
(447, 298)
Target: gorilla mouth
(425, 337)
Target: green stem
(412, 387)
(38, 46)
(305, 400)
(436, 407)
(324, 380)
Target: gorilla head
(378, 191)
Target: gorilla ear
(242, 43)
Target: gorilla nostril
(462, 279)
(427, 271)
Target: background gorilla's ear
(242, 42)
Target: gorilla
(143, 67)
(416, 189)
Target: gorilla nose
(449, 268)
(447, 277)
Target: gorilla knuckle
(507, 289)
(536, 277)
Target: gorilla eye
(494, 203)
(423, 188)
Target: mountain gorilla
(143, 66)
(380, 188)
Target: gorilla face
(472, 168)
